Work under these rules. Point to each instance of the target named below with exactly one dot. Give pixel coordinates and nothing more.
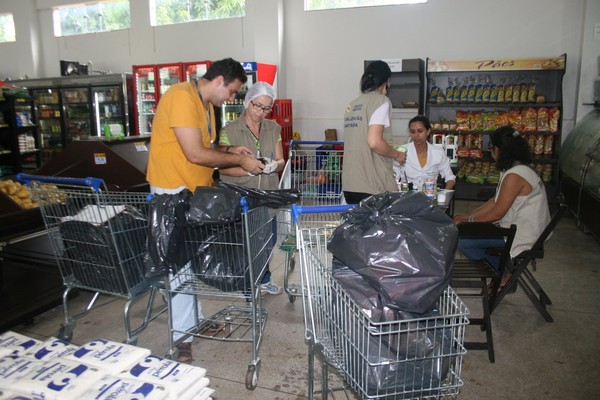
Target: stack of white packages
(104, 370)
(15, 343)
(185, 382)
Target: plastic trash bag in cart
(220, 256)
(214, 205)
(403, 352)
(166, 224)
(99, 238)
(402, 244)
(264, 198)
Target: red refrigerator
(195, 70)
(150, 82)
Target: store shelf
(16, 110)
(539, 80)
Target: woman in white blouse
(423, 160)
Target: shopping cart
(227, 261)
(314, 168)
(99, 239)
(399, 359)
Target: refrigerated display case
(195, 70)
(72, 108)
(255, 72)
(168, 75)
(109, 111)
(49, 117)
(19, 140)
(145, 97)
(77, 113)
(150, 82)
(580, 172)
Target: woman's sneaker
(270, 288)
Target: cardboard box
(331, 135)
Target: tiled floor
(534, 359)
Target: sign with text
(498, 64)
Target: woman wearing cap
(520, 199)
(368, 151)
(263, 137)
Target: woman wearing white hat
(263, 137)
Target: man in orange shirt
(182, 156)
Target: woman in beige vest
(263, 137)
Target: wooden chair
(524, 277)
(470, 277)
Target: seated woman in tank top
(520, 199)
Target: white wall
(590, 59)
(325, 50)
(320, 54)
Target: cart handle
(313, 142)
(298, 210)
(94, 183)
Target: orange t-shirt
(179, 107)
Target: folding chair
(524, 277)
(474, 274)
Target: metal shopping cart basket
(226, 263)
(401, 359)
(314, 168)
(99, 240)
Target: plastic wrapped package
(402, 245)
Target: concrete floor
(534, 359)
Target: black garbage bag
(401, 352)
(213, 205)
(264, 198)
(402, 245)
(105, 254)
(220, 260)
(220, 254)
(166, 231)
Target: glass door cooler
(195, 70)
(146, 97)
(169, 75)
(109, 111)
(49, 117)
(77, 113)
(151, 81)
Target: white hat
(259, 89)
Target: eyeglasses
(260, 107)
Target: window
(7, 28)
(312, 5)
(90, 17)
(165, 12)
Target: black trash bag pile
(407, 353)
(204, 230)
(402, 245)
(107, 254)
